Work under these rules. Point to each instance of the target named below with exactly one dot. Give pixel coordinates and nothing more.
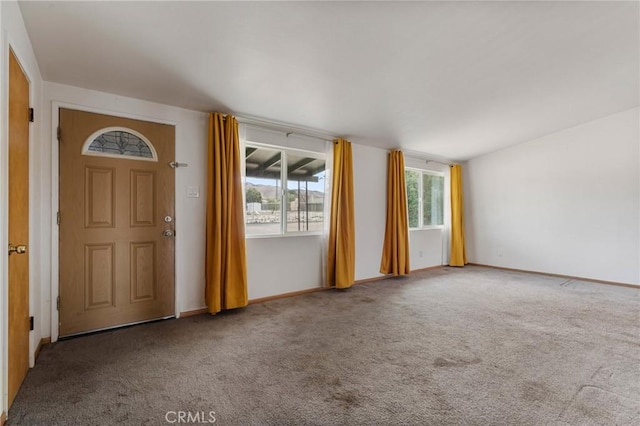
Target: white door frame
(55, 193)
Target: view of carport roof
(267, 163)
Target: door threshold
(113, 327)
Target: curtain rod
(286, 128)
(428, 158)
(438, 162)
(309, 136)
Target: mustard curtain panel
(341, 256)
(395, 251)
(458, 252)
(226, 265)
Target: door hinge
(31, 115)
(58, 303)
(58, 134)
(30, 323)
(58, 218)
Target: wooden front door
(116, 221)
(18, 226)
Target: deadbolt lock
(17, 249)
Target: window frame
(421, 225)
(284, 233)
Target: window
(121, 143)
(283, 200)
(425, 191)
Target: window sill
(289, 235)
(428, 228)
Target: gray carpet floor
(471, 346)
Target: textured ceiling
(450, 79)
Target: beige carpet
(472, 346)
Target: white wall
(567, 203)
(370, 187)
(13, 36)
(425, 248)
(279, 265)
(370, 192)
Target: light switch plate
(193, 192)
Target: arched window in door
(120, 142)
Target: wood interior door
(18, 226)
(116, 222)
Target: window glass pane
(432, 193)
(413, 197)
(305, 193)
(263, 191)
(117, 142)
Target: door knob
(168, 233)
(17, 249)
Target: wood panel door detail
(116, 263)
(18, 263)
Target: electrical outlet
(420, 253)
(499, 251)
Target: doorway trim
(55, 194)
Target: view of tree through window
(413, 197)
(300, 205)
(432, 192)
(425, 193)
